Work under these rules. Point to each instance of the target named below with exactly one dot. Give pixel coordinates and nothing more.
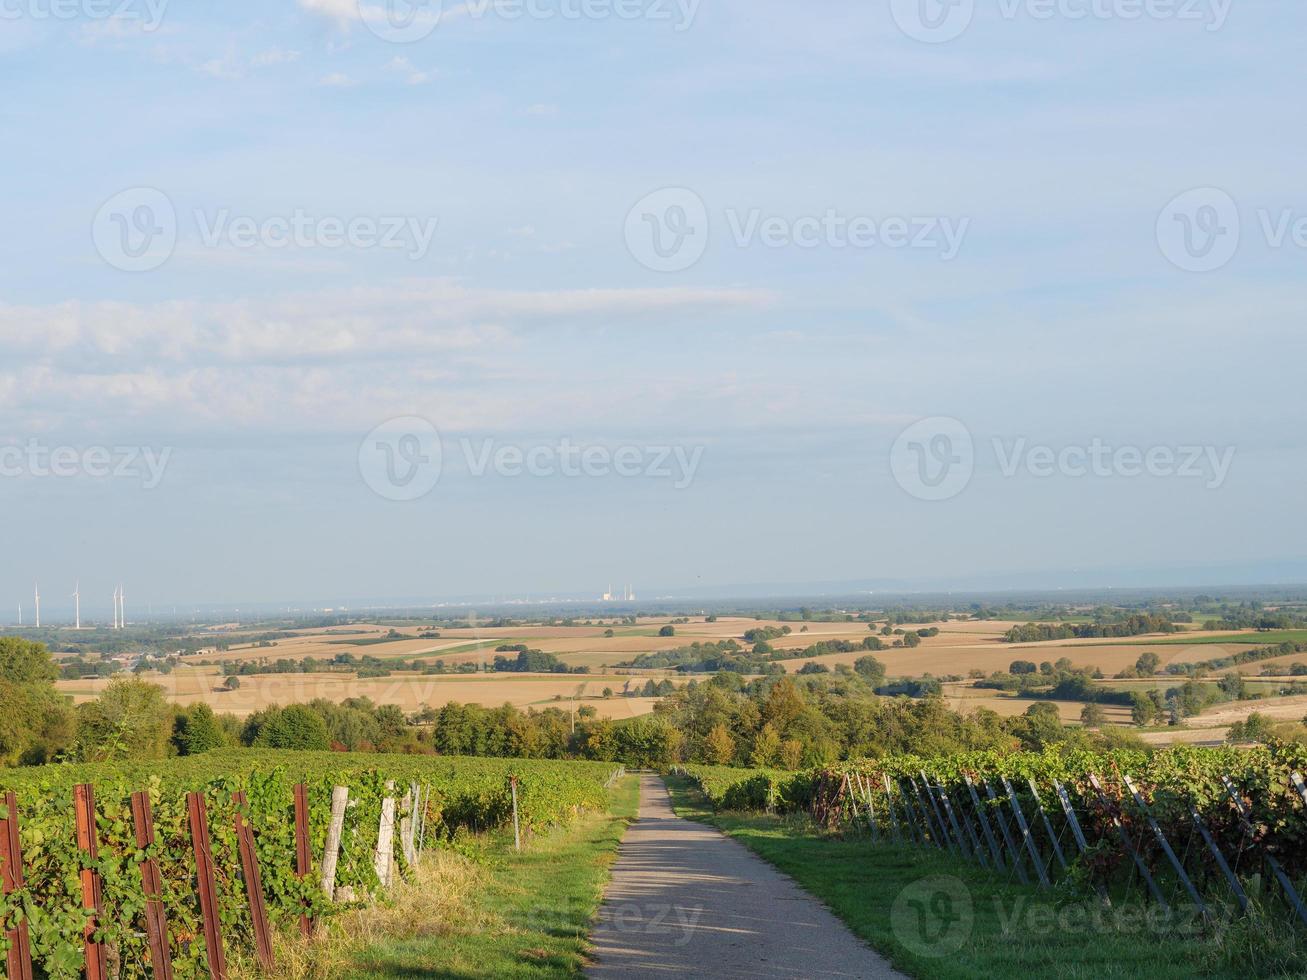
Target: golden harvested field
(192, 685)
(321, 648)
(1213, 724)
(966, 699)
(959, 648)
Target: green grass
(880, 892)
(545, 898)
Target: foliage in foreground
(465, 793)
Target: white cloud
(333, 358)
(413, 76)
(336, 80)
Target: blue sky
(1051, 144)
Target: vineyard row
(1192, 827)
(160, 870)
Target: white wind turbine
(77, 606)
(38, 605)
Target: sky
(312, 299)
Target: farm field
(959, 648)
(195, 685)
(964, 698)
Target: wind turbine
(38, 605)
(115, 608)
(122, 607)
(77, 606)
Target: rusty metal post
(253, 886)
(303, 857)
(19, 958)
(88, 843)
(198, 813)
(156, 920)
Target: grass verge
(936, 917)
(478, 911)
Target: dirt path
(685, 899)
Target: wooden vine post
(384, 857)
(253, 885)
(303, 857)
(517, 823)
(156, 920)
(335, 829)
(18, 960)
(198, 813)
(88, 844)
(411, 839)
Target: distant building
(627, 596)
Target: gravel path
(685, 899)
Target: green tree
(766, 747)
(1147, 663)
(130, 720)
(667, 631)
(1093, 716)
(1143, 711)
(26, 662)
(719, 746)
(791, 753)
(197, 730)
(871, 670)
(295, 727)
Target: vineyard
(1207, 831)
(155, 869)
